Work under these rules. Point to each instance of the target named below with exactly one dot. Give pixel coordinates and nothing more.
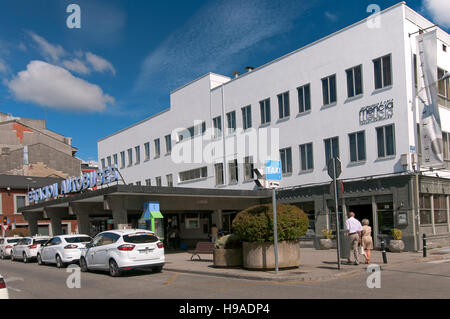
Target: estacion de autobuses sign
(376, 112)
(75, 184)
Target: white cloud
(330, 16)
(4, 68)
(99, 64)
(53, 86)
(48, 50)
(439, 10)
(76, 65)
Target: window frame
(247, 117)
(385, 155)
(303, 103)
(137, 152)
(248, 168)
(264, 108)
(123, 160)
(233, 169)
(382, 72)
(353, 75)
(328, 82)
(284, 105)
(168, 140)
(15, 202)
(286, 168)
(217, 127)
(357, 153)
(216, 175)
(332, 148)
(309, 162)
(146, 151)
(157, 144)
(231, 120)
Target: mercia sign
(376, 112)
(75, 184)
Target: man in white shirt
(353, 228)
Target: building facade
(351, 94)
(28, 148)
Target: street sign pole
(275, 231)
(337, 213)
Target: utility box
(344, 244)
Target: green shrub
(396, 234)
(231, 241)
(255, 224)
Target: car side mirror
(89, 245)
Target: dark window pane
(333, 89)
(303, 157)
(361, 146)
(325, 92)
(310, 155)
(390, 146)
(307, 98)
(335, 145)
(280, 106)
(350, 86)
(377, 72)
(358, 80)
(289, 160)
(387, 79)
(380, 141)
(301, 104)
(353, 157)
(286, 104)
(267, 110)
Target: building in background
(28, 148)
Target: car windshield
(81, 239)
(12, 241)
(140, 238)
(40, 241)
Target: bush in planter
(327, 233)
(326, 243)
(254, 226)
(396, 245)
(228, 251)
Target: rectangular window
(248, 168)
(231, 122)
(139, 183)
(247, 117)
(286, 160)
(357, 146)
(386, 140)
(425, 209)
(218, 170)
(157, 148)
(168, 139)
(354, 81)
(122, 159)
(382, 71)
(158, 181)
(193, 174)
(306, 157)
(147, 151)
(265, 111)
(103, 163)
(20, 201)
(329, 89)
(331, 148)
(443, 88)
(440, 209)
(304, 98)
(283, 105)
(217, 126)
(193, 131)
(108, 159)
(116, 161)
(169, 180)
(137, 151)
(148, 182)
(446, 140)
(130, 157)
(234, 171)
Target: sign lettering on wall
(376, 112)
(75, 184)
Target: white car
(27, 248)
(3, 289)
(125, 249)
(62, 250)
(6, 246)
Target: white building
(318, 97)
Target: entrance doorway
(362, 212)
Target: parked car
(6, 245)
(3, 289)
(62, 250)
(27, 248)
(125, 249)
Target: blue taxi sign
(273, 170)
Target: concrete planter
(228, 258)
(261, 256)
(325, 243)
(396, 246)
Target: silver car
(6, 246)
(120, 250)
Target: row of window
(382, 78)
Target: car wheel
(59, 262)
(25, 259)
(39, 260)
(2, 255)
(114, 270)
(157, 269)
(83, 265)
(12, 256)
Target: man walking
(354, 229)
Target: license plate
(145, 251)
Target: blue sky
(121, 65)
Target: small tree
(255, 224)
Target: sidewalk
(315, 265)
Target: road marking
(12, 279)
(171, 278)
(15, 289)
(439, 261)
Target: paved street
(429, 279)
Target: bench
(202, 248)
